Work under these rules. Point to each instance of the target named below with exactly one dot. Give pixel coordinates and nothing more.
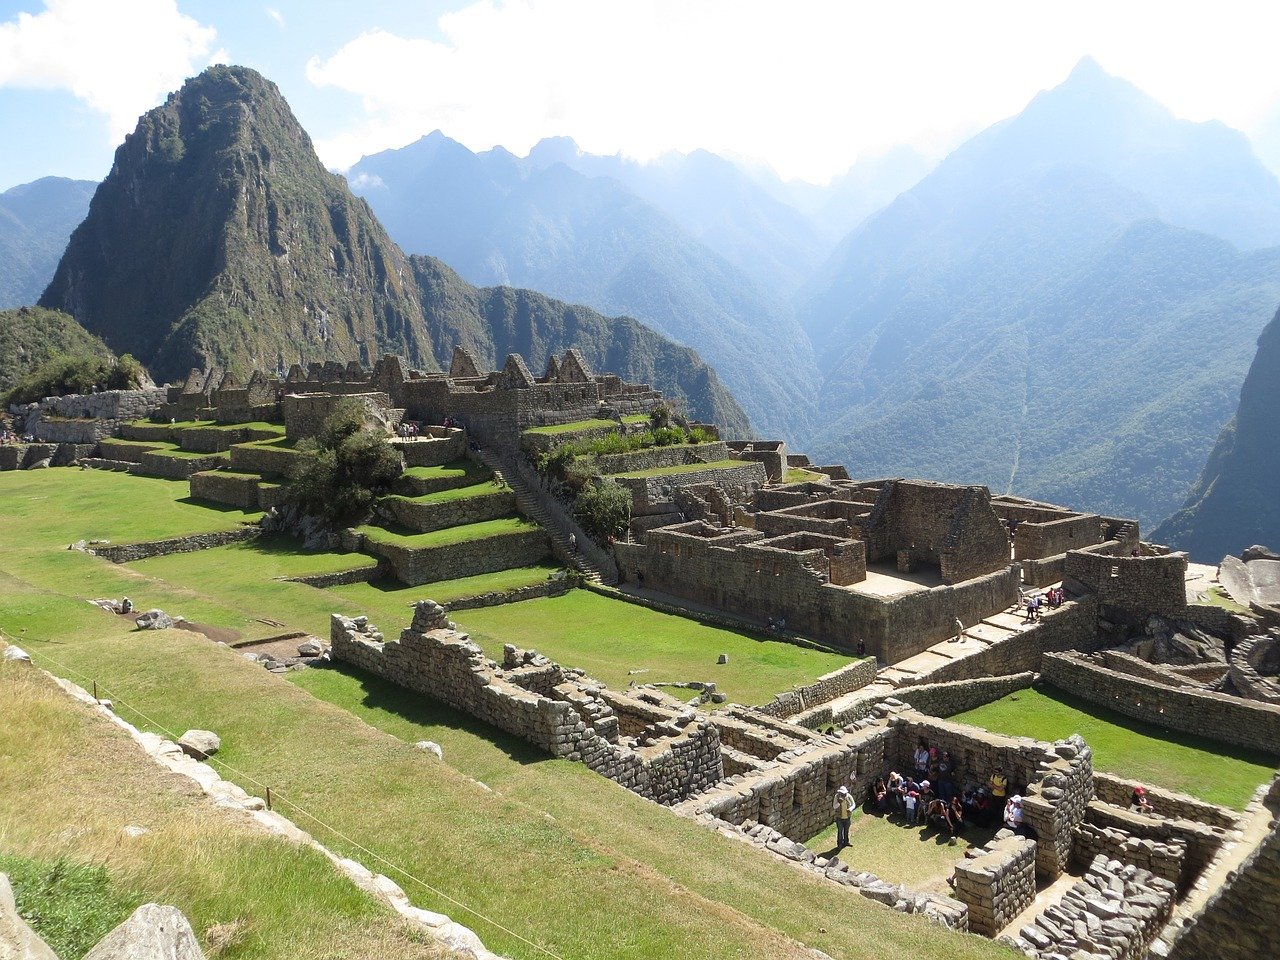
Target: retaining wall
(1244, 723)
(997, 882)
(491, 504)
(826, 688)
(128, 552)
(416, 566)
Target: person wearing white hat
(843, 806)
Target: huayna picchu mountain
(1236, 502)
(218, 237)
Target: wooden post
(268, 798)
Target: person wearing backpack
(843, 807)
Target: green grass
(674, 471)
(69, 905)
(458, 468)
(1203, 768)
(450, 535)
(189, 454)
(557, 429)
(137, 446)
(922, 858)
(73, 782)
(255, 425)
(457, 493)
(608, 638)
(388, 602)
(1218, 597)
(800, 475)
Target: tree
(350, 466)
(603, 509)
(65, 374)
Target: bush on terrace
(352, 465)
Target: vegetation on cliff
(31, 337)
(1236, 501)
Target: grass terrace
(618, 643)
(239, 887)
(402, 537)
(800, 475)
(1203, 768)
(675, 471)
(559, 428)
(457, 470)
(459, 493)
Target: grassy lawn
(262, 559)
(71, 783)
(388, 602)
(1197, 766)
(800, 475)
(1218, 597)
(188, 454)
(683, 468)
(458, 468)
(450, 535)
(608, 638)
(560, 428)
(921, 858)
(459, 493)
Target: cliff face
(1236, 502)
(218, 237)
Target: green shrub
(603, 509)
(352, 465)
(659, 417)
(62, 375)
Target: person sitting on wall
(895, 790)
(1139, 802)
(879, 795)
(982, 808)
(946, 776)
(937, 814)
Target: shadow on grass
(379, 694)
(206, 504)
(1194, 741)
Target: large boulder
(17, 940)
(16, 654)
(154, 620)
(200, 744)
(152, 933)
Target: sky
(806, 87)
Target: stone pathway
(1045, 899)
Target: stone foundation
(997, 882)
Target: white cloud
(277, 16)
(119, 58)
(806, 85)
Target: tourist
(956, 816)
(843, 807)
(910, 803)
(895, 790)
(998, 784)
(1013, 814)
(959, 631)
(1031, 610)
(126, 605)
(862, 647)
(880, 795)
(946, 776)
(922, 758)
(927, 797)
(936, 814)
(982, 808)
(1139, 802)
(573, 543)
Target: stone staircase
(531, 502)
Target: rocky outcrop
(152, 933)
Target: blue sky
(806, 86)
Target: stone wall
(88, 418)
(266, 459)
(1118, 791)
(444, 445)
(826, 688)
(1051, 538)
(235, 489)
(1138, 586)
(655, 457)
(160, 464)
(128, 552)
(416, 566)
(491, 504)
(1200, 843)
(28, 456)
(219, 439)
(1166, 859)
(1245, 723)
(557, 710)
(341, 577)
(1113, 913)
(1238, 922)
(553, 586)
(997, 882)
(948, 699)
(649, 493)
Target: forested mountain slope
(36, 219)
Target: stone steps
(531, 506)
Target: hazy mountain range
(1065, 306)
(36, 220)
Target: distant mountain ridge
(498, 219)
(36, 220)
(1236, 501)
(1028, 317)
(219, 238)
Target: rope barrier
(279, 800)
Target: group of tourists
(930, 796)
(407, 429)
(1051, 598)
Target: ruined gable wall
(1036, 541)
(1135, 585)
